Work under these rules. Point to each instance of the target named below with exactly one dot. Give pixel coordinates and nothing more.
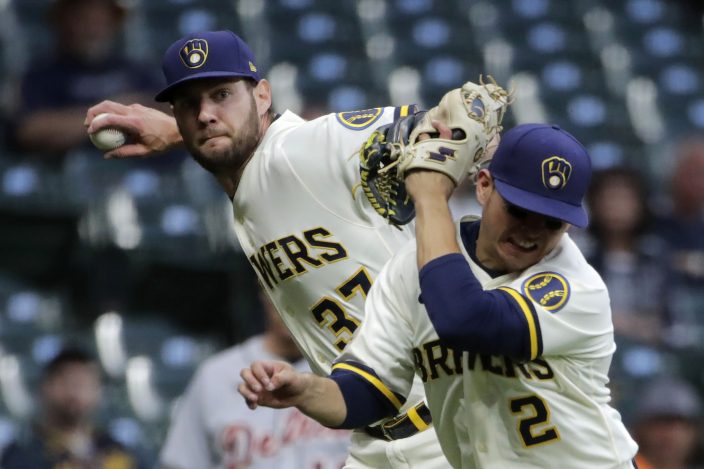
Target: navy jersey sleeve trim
(468, 318)
(366, 397)
(403, 111)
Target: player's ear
(262, 96)
(484, 186)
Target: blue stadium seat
(35, 35)
(428, 37)
(31, 321)
(655, 46)
(647, 12)
(444, 72)
(633, 366)
(549, 38)
(295, 35)
(165, 20)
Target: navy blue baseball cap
(543, 169)
(207, 54)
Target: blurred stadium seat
(163, 21)
(150, 362)
(17, 375)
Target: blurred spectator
(65, 437)
(86, 67)
(213, 427)
(667, 425)
(683, 230)
(625, 252)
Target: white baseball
(108, 138)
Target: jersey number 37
(330, 312)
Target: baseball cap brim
(573, 214)
(165, 94)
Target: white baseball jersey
(317, 245)
(491, 412)
(214, 428)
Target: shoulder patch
(548, 289)
(359, 120)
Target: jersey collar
(469, 231)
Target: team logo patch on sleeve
(548, 289)
(358, 120)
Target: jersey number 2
(329, 312)
(538, 414)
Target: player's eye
(185, 103)
(222, 94)
(552, 224)
(516, 211)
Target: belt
(415, 420)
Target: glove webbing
(389, 189)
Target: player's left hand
(273, 384)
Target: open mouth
(522, 245)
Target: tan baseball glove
(473, 113)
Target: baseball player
(501, 317)
(316, 243)
(213, 428)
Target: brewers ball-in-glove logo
(359, 120)
(548, 289)
(194, 53)
(556, 172)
